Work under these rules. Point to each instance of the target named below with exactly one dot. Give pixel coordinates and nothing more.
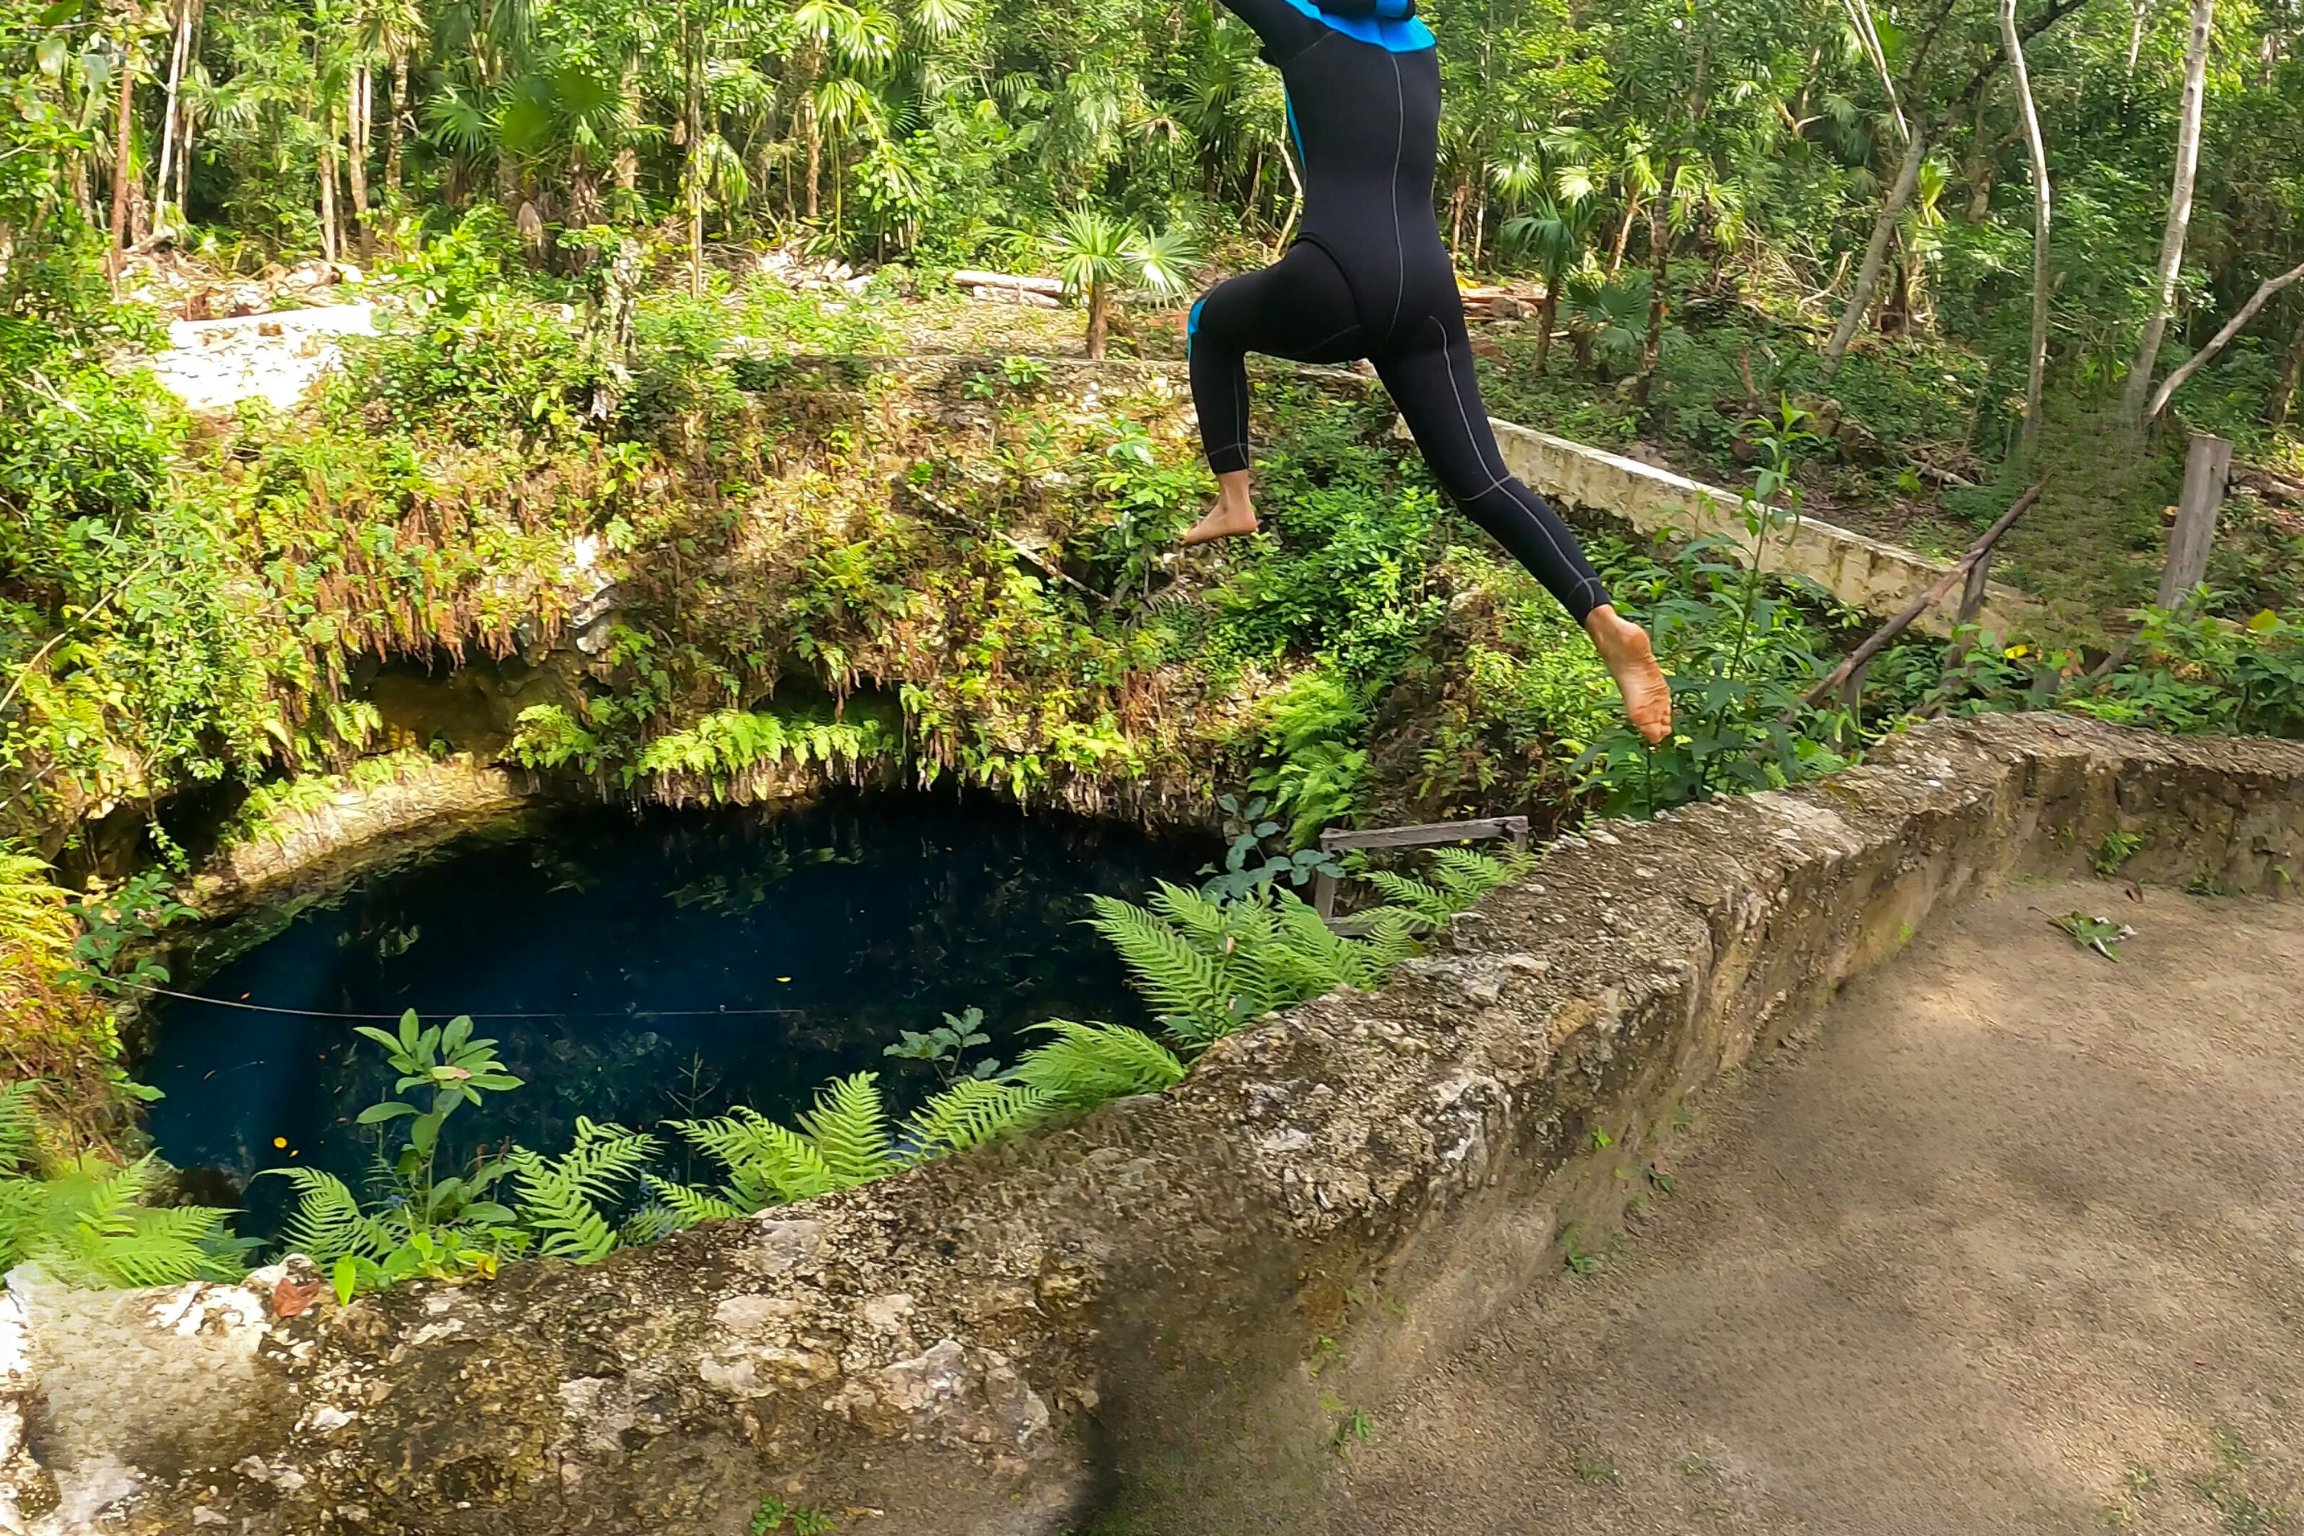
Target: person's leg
(1431, 379)
(1298, 308)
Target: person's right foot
(1625, 651)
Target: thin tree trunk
(1098, 321)
(1876, 252)
(392, 130)
(692, 122)
(1659, 254)
(2221, 339)
(168, 112)
(1623, 234)
(2276, 415)
(2136, 35)
(2179, 219)
(357, 161)
(2037, 366)
(122, 145)
(1978, 173)
(328, 242)
(1547, 312)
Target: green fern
(89, 1225)
(33, 916)
(1180, 973)
(1087, 1064)
(970, 1113)
(1211, 966)
(560, 1198)
(1463, 877)
(328, 1223)
(850, 1130)
(19, 1128)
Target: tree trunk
(2037, 358)
(328, 241)
(176, 54)
(362, 85)
(2221, 339)
(1547, 312)
(2179, 219)
(2136, 35)
(1876, 252)
(2276, 415)
(1659, 254)
(1098, 321)
(392, 130)
(123, 144)
(1978, 173)
(1623, 233)
(692, 127)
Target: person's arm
(1284, 30)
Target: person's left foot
(1224, 521)
(1625, 651)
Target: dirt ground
(2015, 1245)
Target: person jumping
(1369, 278)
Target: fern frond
(1174, 976)
(19, 1127)
(688, 1206)
(1201, 919)
(971, 1112)
(1468, 875)
(1087, 1064)
(768, 1164)
(328, 1223)
(1424, 903)
(850, 1131)
(560, 1198)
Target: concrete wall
(1862, 572)
(1161, 1313)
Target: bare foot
(1624, 650)
(1232, 515)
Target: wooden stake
(2206, 468)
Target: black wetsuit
(1368, 277)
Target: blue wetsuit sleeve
(1284, 29)
(1381, 10)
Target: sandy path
(2016, 1246)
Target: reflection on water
(678, 961)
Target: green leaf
(347, 1278)
(390, 1109)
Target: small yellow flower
(279, 1141)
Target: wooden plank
(2206, 468)
(1515, 827)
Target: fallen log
(1862, 656)
(1024, 296)
(1053, 287)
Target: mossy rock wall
(1154, 1319)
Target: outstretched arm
(1285, 30)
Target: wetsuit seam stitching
(1399, 238)
(1447, 361)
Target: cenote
(663, 964)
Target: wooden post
(2206, 468)
(1972, 595)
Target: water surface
(673, 963)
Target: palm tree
(1557, 232)
(1091, 250)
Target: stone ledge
(1167, 1303)
(1862, 572)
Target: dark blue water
(628, 933)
